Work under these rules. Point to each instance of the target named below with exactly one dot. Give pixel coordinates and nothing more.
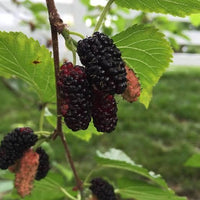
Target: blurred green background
(161, 138)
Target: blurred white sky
(72, 12)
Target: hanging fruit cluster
(17, 155)
(88, 92)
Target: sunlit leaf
(175, 7)
(148, 53)
(25, 58)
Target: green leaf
(117, 159)
(193, 161)
(34, 7)
(148, 53)
(143, 191)
(195, 19)
(48, 188)
(4, 74)
(67, 173)
(85, 2)
(174, 7)
(25, 58)
(37, 7)
(85, 135)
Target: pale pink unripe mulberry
(133, 89)
(26, 173)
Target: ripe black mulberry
(102, 189)
(14, 145)
(105, 68)
(104, 112)
(43, 167)
(76, 96)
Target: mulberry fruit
(76, 96)
(25, 175)
(133, 89)
(102, 190)
(43, 167)
(5, 159)
(105, 68)
(104, 112)
(15, 144)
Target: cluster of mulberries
(17, 156)
(89, 92)
(102, 190)
(76, 96)
(14, 145)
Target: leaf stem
(77, 34)
(67, 194)
(41, 122)
(74, 55)
(39, 142)
(103, 14)
(90, 174)
(70, 43)
(43, 133)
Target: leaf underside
(138, 190)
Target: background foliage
(168, 130)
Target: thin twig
(55, 21)
(57, 26)
(103, 14)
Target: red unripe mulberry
(133, 89)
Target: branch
(57, 26)
(55, 21)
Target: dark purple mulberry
(76, 96)
(15, 144)
(5, 159)
(102, 189)
(104, 112)
(105, 68)
(43, 167)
